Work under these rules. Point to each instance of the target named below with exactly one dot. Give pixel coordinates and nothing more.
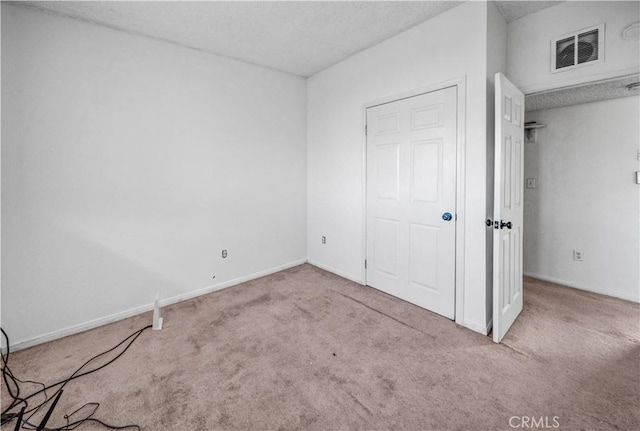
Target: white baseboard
(477, 327)
(234, 282)
(147, 307)
(620, 295)
(335, 271)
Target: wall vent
(581, 48)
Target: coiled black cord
(18, 402)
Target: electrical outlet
(224, 254)
(324, 239)
(577, 256)
(531, 183)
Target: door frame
(461, 144)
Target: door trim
(461, 143)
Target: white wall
(586, 198)
(449, 46)
(128, 164)
(2, 342)
(529, 46)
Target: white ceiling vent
(590, 49)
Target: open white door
(508, 206)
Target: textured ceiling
(299, 37)
(602, 90)
(302, 38)
(513, 10)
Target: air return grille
(590, 49)
(565, 53)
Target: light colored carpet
(305, 349)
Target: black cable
(48, 414)
(76, 424)
(113, 427)
(73, 376)
(8, 376)
(19, 421)
(5, 366)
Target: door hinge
(365, 130)
(365, 264)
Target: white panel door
(411, 195)
(508, 206)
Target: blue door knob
(447, 216)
